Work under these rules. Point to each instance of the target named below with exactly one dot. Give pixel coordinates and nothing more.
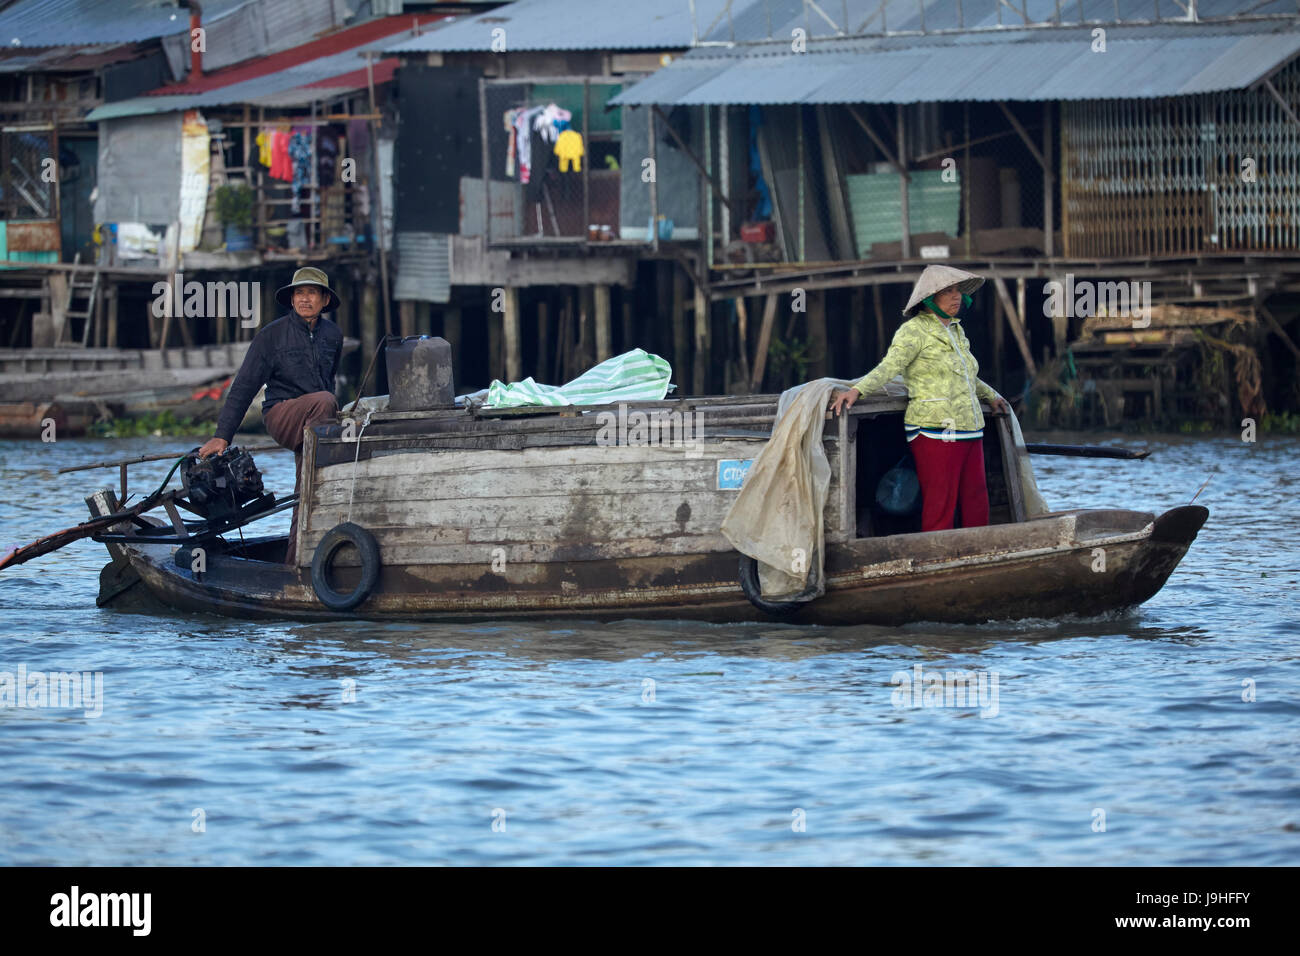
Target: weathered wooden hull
(478, 519)
(1044, 568)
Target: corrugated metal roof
(668, 24)
(863, 16)
(38, 23)
(69, 58)
(1040, 64)
(291, 78)
(371, 35)
(572, 25)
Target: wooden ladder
(80, 285)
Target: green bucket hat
(308, 276)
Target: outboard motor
(218, 486)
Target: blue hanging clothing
(300, 153)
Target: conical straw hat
(937, 278)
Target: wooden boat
(78, 387)
(98, 384)
(530, 514)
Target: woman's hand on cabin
(215, 446)
(843, 400)
(999, 404)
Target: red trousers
(951, 474)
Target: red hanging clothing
(281, 164)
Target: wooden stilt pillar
(221, 330)
(764, 343)
(270, 312)
(857, 330)
(681, 346)
(1017, 328)
(1060, 324)
(999, 343)
(340, 315)
(451, 331)
(877, 303)
(604, 346)
(816, 319)
(187, 334)
(496, 351)
(563, 337)
(700, 379)
(369, 318)
(586, 329)
(656, 335)
(112, 340)
(406, 317)
(628, 336)
(543, 340)
(510, 328)
(742, 344)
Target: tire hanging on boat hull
(753, 590)
(338, 536)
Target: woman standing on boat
(943, 421)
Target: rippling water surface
(233, 742)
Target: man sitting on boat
(943, 421)
(296, 357)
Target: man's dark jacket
(290, 359)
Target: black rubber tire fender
(338, 536)
(753, 590)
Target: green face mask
(929, 303)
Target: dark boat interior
(880, 444)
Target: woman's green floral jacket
(941, 374)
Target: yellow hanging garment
(264, 147)
(568, 146)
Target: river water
(1164, 736)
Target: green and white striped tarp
(635, 376)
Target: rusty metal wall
(1182, 176)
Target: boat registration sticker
(732, 472)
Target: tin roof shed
(1062, 63)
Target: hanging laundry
(521, 123)
(523, 132)
(548, 123)
(281, 164)
(300, 153)
(327, 150)
(508, 121)
(570, 149)
(264, 146)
